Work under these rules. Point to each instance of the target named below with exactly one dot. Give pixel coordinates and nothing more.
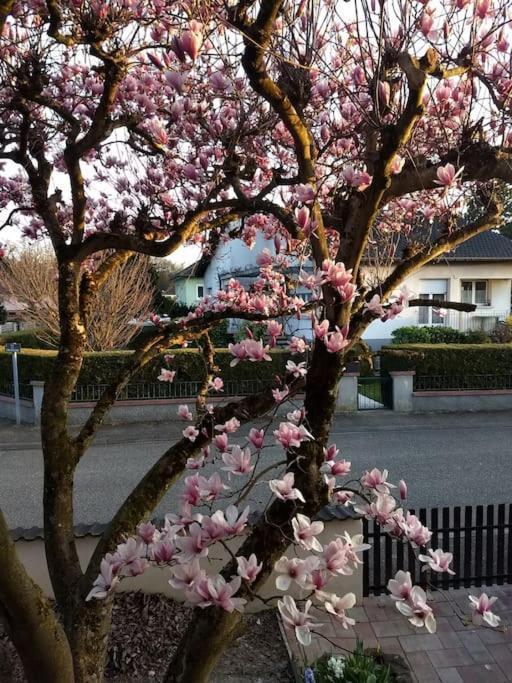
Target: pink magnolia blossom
(274, 330)
(290, 435)
(305, 532)
(337, 606)
(163, 552)
(190, 433)
(146, 532)
(297, 370)
(295, 620)
(216, 384)
(397, 164)
(284, 489)
(414, 530)
(321, 329)
(104, 583)
(375, 306)
(238, 461)
(400, 587)
(280, 394)
(184, 575)
(193, 544)
(402, 489)
(335, 341)
(249, 349)
(215, 590)
(221, 442)
(166, 375)
(294, 569)
(437, 560)
(481, 613)
(248, 569)
(184, 413)
(231, 520)
(229, 427)
(195, 463)
(415, 608)
(256, 437)
(377, 480)
(298, 345)
(447, 176)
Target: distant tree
(3, 315)
(29, 276)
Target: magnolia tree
(137, 126)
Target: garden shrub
(428, 335)
(449, 359)
(28, 338)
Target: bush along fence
(479, 537)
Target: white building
(479, 271)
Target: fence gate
(374, 393)
(478, 537)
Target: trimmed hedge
(102, 367)
(437, 335)
(448, 359)
(27, 338)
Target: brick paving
(457, 653)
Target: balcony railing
(484, 318)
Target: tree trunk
(88, 628)
(207, 637)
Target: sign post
(14, 349)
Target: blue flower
(309, 676)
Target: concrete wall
(461, 401)
(155, 580)
(8, 410)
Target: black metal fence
(374, 393)
(479, 538)
(461, 382)
(164, 390)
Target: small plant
(358, 667)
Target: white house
(479, 271)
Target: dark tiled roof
(488, 246)
(327, 514)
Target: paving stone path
(457, 653)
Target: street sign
(15, 348)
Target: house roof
(487, 246)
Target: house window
(200, 291)
(475, 292)
(431, 315)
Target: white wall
(234, 255)
(499, 274)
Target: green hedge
(101, 367)
(437, 335)
(27, 338)
(449, 359)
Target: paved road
(446, 459)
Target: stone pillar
(402, 390)
(347, 393)
(37, 399)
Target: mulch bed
(146, 631)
